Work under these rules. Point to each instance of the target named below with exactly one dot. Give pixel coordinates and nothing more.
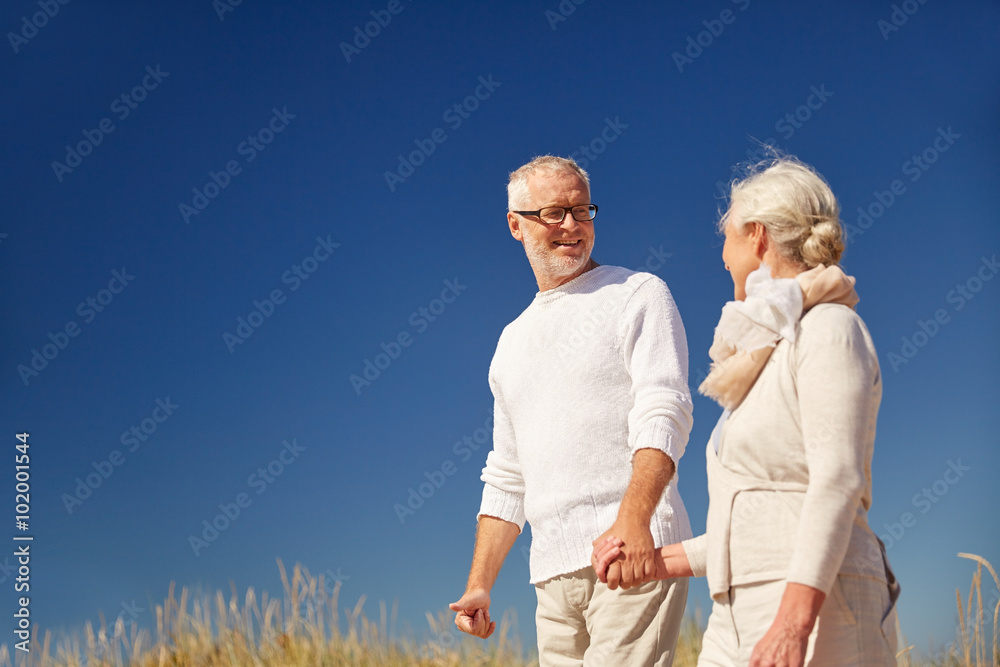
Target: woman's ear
(758, 236)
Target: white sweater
(588, 374)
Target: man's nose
(569, 223)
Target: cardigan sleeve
(696, 551)
(655, 350)
(839, 387)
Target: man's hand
(473, 615)
(636, 562)
(651, 471)
(494, 538)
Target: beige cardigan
(790, 488)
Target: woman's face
(740, 252)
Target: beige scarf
(748, 330)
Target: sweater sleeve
(655, 350)
(838, 384)
(503, 492)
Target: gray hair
(517, 187)
(796, 206)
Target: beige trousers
(856, 625)
(580, 621)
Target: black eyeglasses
(553, 215)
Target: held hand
(639, 563)
(671, 560)
(605, 553)
(473, 613)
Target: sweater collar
(579, 284)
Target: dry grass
(305, 629)
(972, 647)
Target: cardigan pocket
(763, 530)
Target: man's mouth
(567, 243)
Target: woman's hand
(787, 639)
(605, 553)
(784, 645)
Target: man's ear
(515, 226)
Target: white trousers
(580, 621)
(856, 624)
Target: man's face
(557, 253)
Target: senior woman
(796, 574)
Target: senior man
(592, 412)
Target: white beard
(547, 263)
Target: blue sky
(221, 196)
